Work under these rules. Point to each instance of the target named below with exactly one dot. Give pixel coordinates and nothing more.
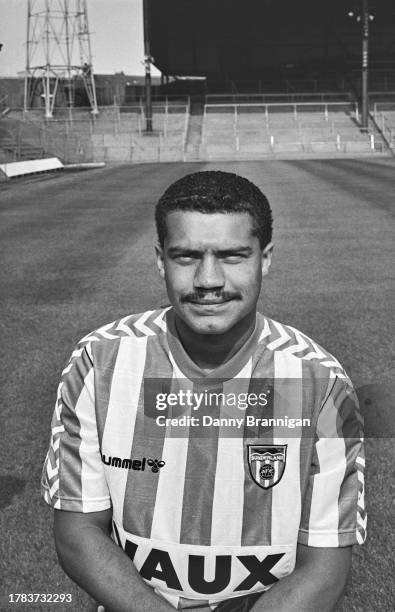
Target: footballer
(151, 518)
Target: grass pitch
(77, 253)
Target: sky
(116, 28)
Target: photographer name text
(238, 422)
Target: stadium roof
(233, 38)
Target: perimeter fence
(116, 133)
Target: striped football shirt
(208, 513)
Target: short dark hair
(216, 192)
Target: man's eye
(233, 258)
(184, 259)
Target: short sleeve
(333, 510)
(73, 475)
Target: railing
(380, 107)
(167, 100)
(270, 106)
(265, 98)
(387, 128)
(386, 125)
(237, 134)
(73, 136)
(338, 143)
(389, 135)
(186, 126)
(380, 96)
(21, 140)
(78, 118)
(265, 110)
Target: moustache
(210, 297)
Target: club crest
(267, 464)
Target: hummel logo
(133, 464)
(155, 464)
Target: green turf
(77, 253)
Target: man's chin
(208, 325)
(212, 330)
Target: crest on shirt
(267, 463)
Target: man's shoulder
(134, 326)
(294, 344)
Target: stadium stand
(233, 129)
(269, 80)
(115, 135)
(251, 130)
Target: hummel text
(133, 464)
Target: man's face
(213, 268)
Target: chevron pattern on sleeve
(292, 342)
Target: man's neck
(209, 351)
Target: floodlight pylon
(58, 52)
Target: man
(230, 514)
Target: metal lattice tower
(58, 52)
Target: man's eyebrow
(179, 250)
(240, 250)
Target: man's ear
(160, 260)
(267, 258)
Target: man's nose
(209, 273)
